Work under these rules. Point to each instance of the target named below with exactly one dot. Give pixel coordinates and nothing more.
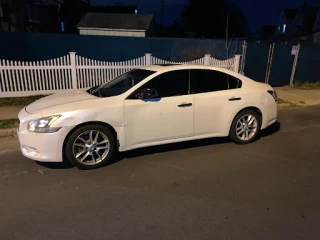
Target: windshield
(120, 84)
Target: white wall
(107, 32)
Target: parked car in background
(148, 106)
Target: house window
(62, 26)
(284, 28)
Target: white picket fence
(71, 72)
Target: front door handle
(185, 105)
(235, 99)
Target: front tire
(90, 147)
(245, 127)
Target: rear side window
(233, 82)
(203, 81)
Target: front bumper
(43, 147)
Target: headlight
(43, 125)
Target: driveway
(210, 189)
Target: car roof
(171, 67)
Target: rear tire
(90, 147)
(245, 127)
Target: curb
(10, 132)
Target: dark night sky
(258, 12)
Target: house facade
(110, 24)
(298, 24)
(29, 15)
(316, 30)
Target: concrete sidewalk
(299, 97)
(292, 96)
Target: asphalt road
(209, 189)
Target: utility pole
(227, 35)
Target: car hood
(58, 99)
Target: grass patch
(9, 123)
(19, 101)
(280, 101)
(307, 85)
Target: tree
(237, 22)
(175, 30)
(71, 13)
(210, 21)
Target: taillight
(274, 94)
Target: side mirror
(147, 93)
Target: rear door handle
(185, 105)
(235, 99)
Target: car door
(217, 96)
(170, 116)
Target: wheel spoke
(91, 137)
(103, 142)
(252, 129)
(93, 158)
(81, 139)
(102, 148)
(96, 138)
(239, 128)
(243, 135)
(246, 135)
(241, 131)
(84, 157)
(251, 121)
(79, 145)
(80, 153)
(97, 152)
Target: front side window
(170, 84)
(121, 84)
(203, 81)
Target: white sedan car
(151, 105)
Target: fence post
(243, 57)
(236, 63)
(73, 70)
(269, 63)
(294, 66)
(207, 59)
(148, 58)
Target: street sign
(294, 50)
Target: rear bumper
(270, 115)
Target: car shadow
(164, 148)
(56, 165)
(274, 128)
(170, 147)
